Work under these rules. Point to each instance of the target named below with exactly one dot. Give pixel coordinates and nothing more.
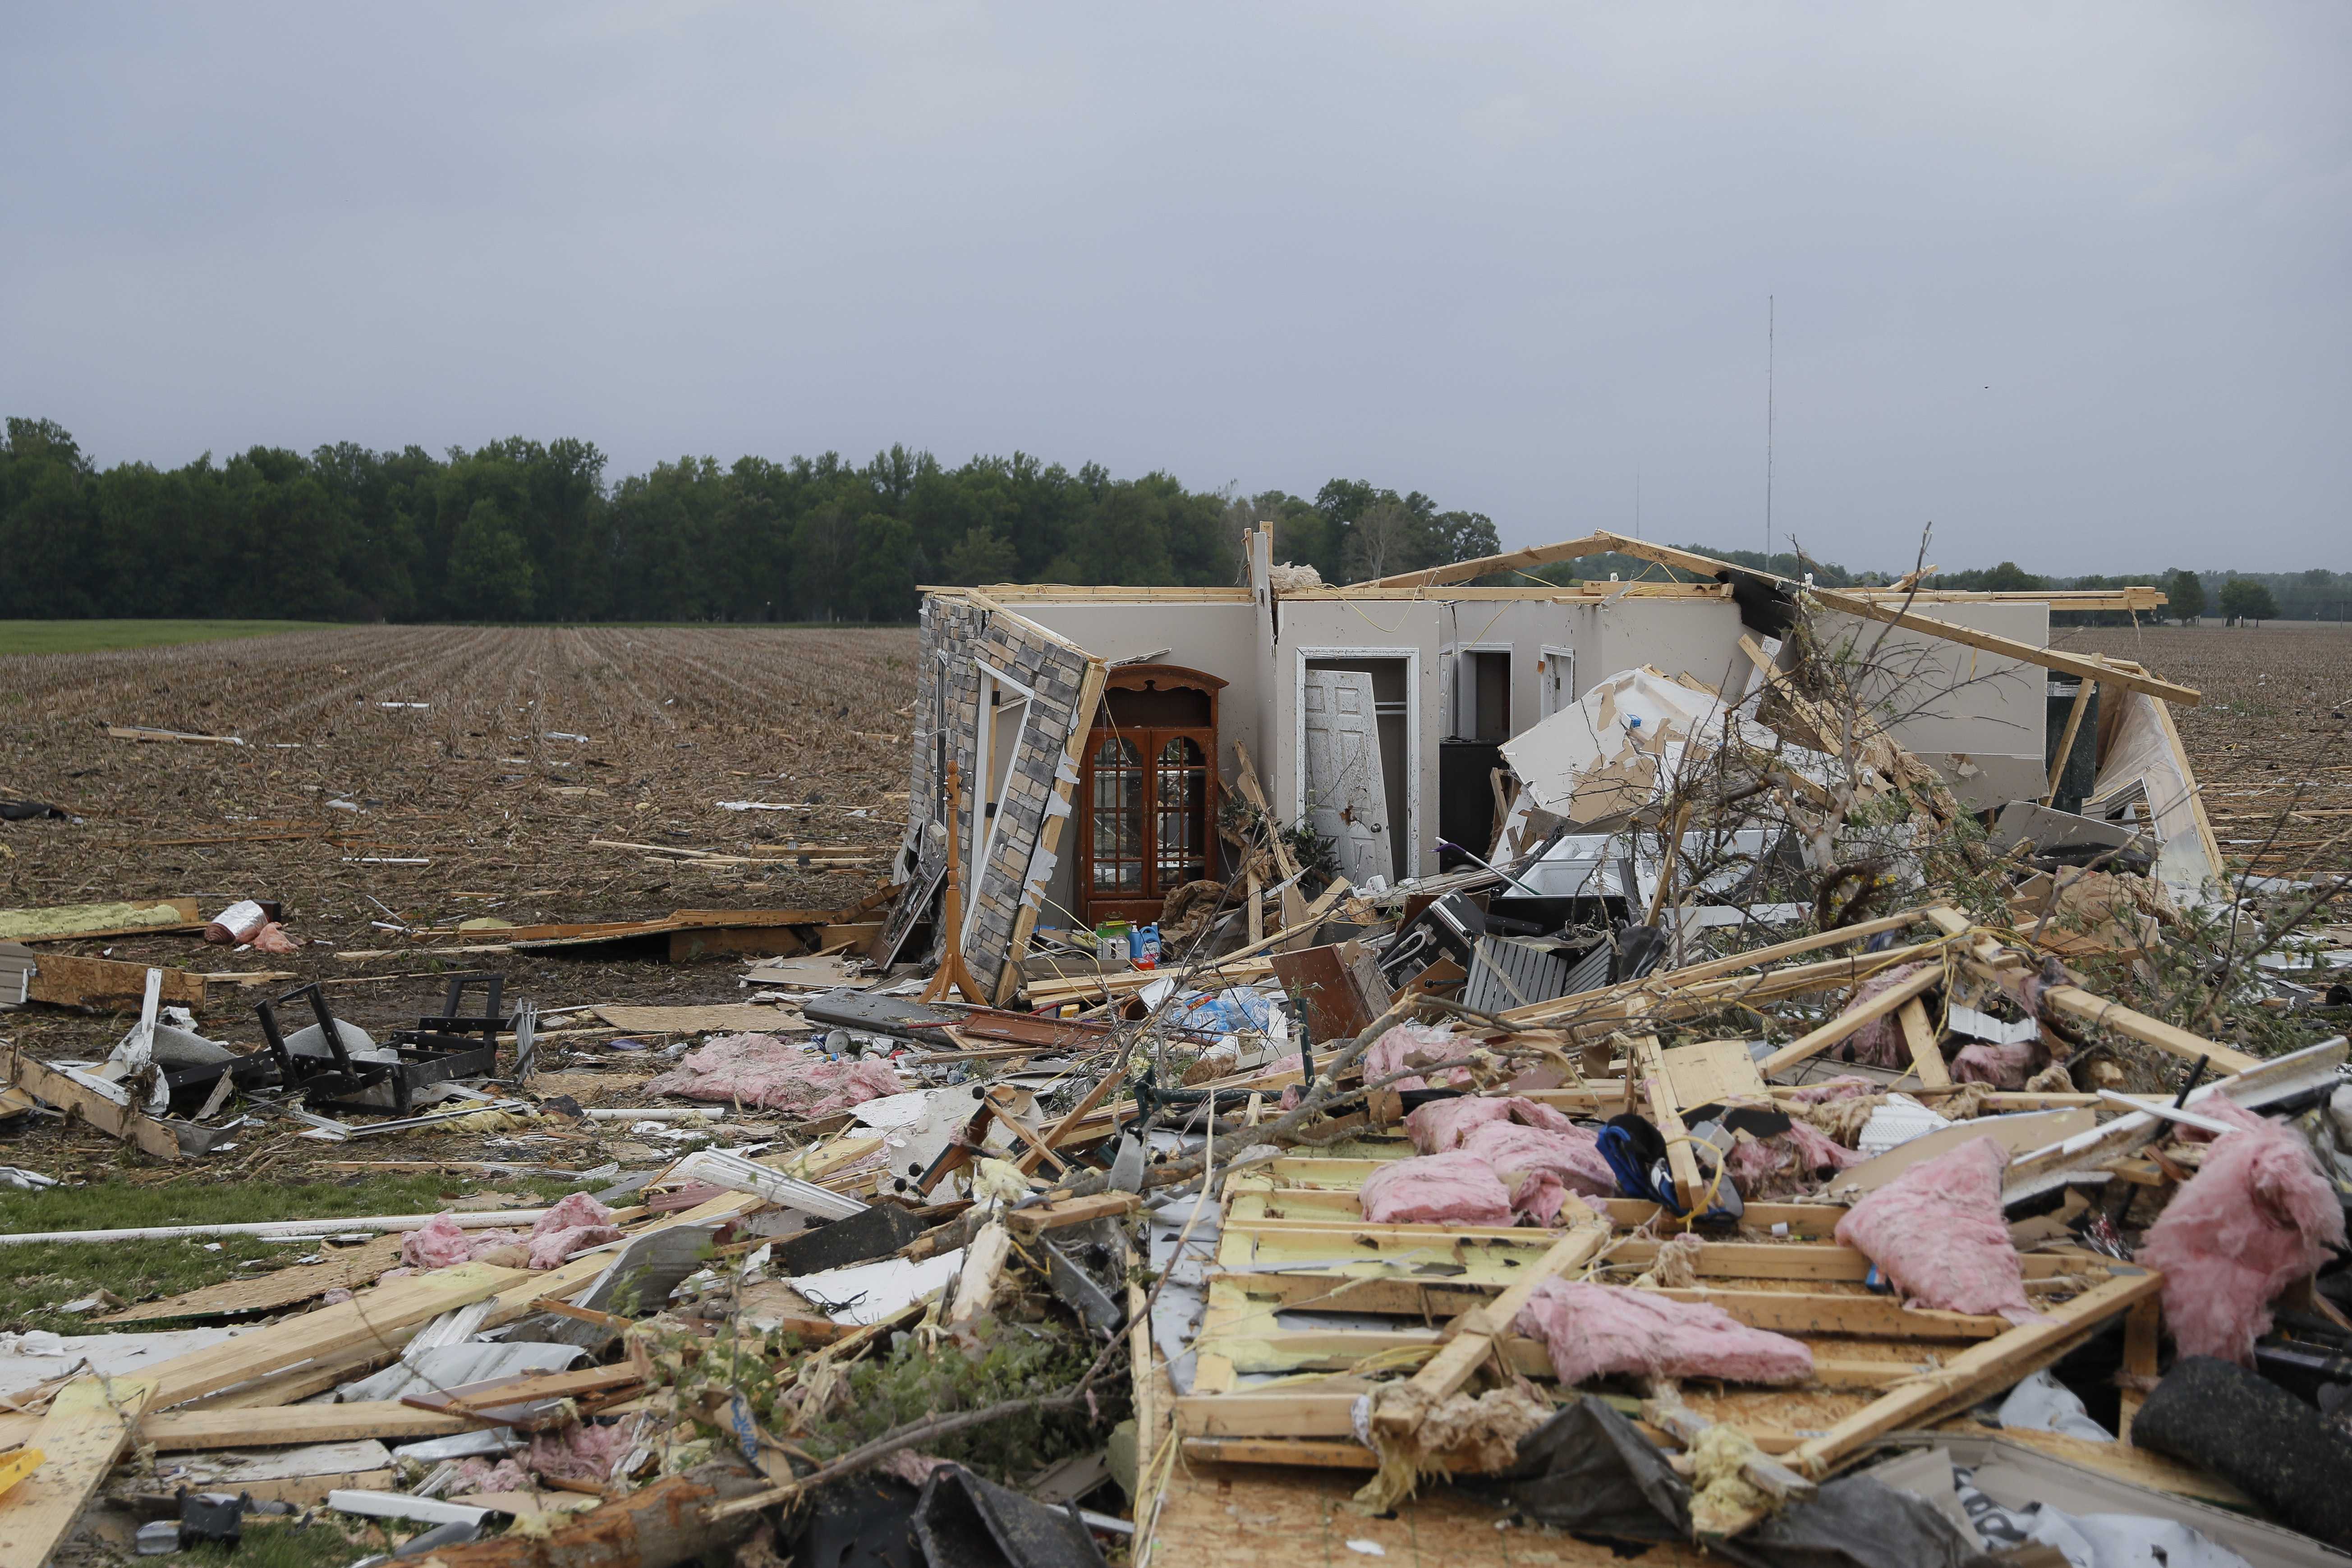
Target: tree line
(523, 529)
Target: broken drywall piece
(866, 1293)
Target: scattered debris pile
(1750, 1145)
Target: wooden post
(2066, 740)
(953, 973)
(1925, 1054)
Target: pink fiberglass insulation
(1408, 1045)
(1458, 1187)
(1879, 1042)
(582, 1452)
(2003, 1067)
(1444, 1124)
(1845, 1088)
(1937, 1233)
(442, 1242)
(577, 1221)
(2257, 1216)
(765, 1070)
(1595, 1330)
(1573, 1157)
(1786, 1163)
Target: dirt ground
(476, 783)
(2270, 742)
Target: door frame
(1302, 658)
(1544, 654)
(983, 758)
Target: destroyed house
(1094, 734)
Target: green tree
(983, 555)
(882, 581)
(2184, 594)
(489, 570)
(2243, 599)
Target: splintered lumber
(88, 1429)
(1969, 1377)
(52, 1087)
(1682, 1165)
(1476, 1332)
(1850, 1020)
(273, 1426)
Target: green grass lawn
(37, 1278)
(93, 637)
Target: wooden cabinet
(1147, 792)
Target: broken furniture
(445, 1049)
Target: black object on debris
(876, 1231)
(211, 1517)
(964, 1521)
(860, 1522)
(441, 1049)
(1858, 1522)
(1588, 1469)
(29, 810)
(2257, 1436)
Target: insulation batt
(1786, 1163)
(766, 1070)
(2257, 1216)
(1408, 1044)
(1594, 1329)
(2003, 1067)
(1845, 1087)
(1571, 1157)
(1937, 1233)
(577, 1223)
(1458, 1187)
(1444, 1124)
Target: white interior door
(1346, 795)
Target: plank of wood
(2010, 648)
(1710, 1071)
(1926, 1055)
(52, 1087)
(271, 1426)
(1029, 1222)
(1682, 1164)
(1105, 1087)
(88, 1427)
(743, 1018)
(64, 981)
(1838, 1028)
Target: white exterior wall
(1978, 719)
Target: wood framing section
(1049, 835)
(2008, 647)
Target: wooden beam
(1852, 1019)
(1049, 835)
(1926, 1055)
(2009, 648)
(2066, 741)
(54, 1087)
(64, 981)
(1486, 566)
(1649, 1065)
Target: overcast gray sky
(2072, 281)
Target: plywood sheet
(346, 1268)
(1249, 1516)
(1712, 1071)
